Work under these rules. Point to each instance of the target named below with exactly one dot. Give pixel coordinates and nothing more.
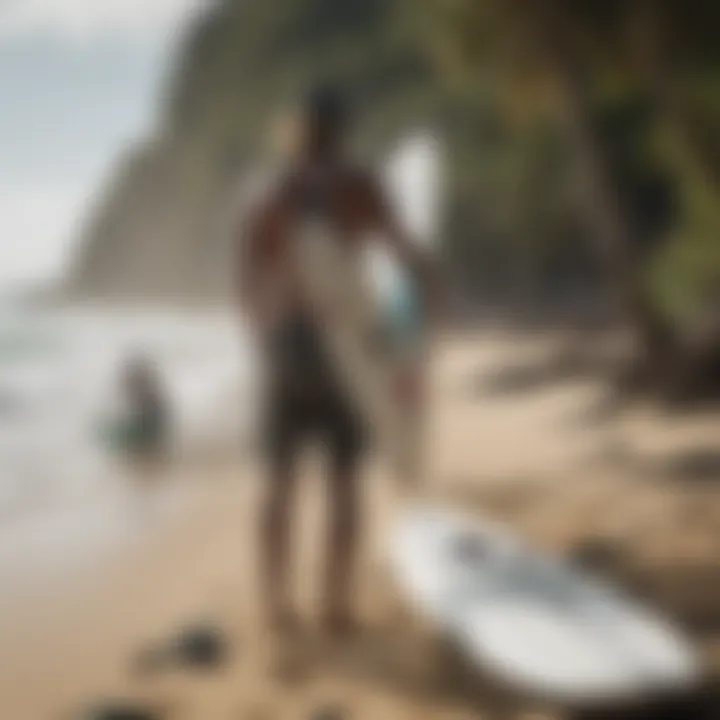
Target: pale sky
(79, 80)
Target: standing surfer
(304, 397)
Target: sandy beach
(83, 594)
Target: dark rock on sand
(122, 711)
(198, 646)
(330, 712)
(201, 646)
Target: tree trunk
(612, 230)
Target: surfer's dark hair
(326, 108)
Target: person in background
(304, 397)
(145, 431)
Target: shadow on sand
(687, 592)
(699, 466)
(540, 374)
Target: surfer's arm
(408, 252)
(251, 262)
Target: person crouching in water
(145, 432)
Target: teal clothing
(405, 312)
(138, 433)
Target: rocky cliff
(163, 229)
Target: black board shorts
(305, 401)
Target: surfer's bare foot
(286, 662)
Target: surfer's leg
(344, 504)
(275, 542)
(342, 548)
(283, 445)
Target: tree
(569, 56)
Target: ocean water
(59, 374)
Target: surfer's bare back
(304, 397)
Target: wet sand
(535, 453)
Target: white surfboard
(413, 184)
(533, 622)
(373, 323)
(366, 352)
(414, 177)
